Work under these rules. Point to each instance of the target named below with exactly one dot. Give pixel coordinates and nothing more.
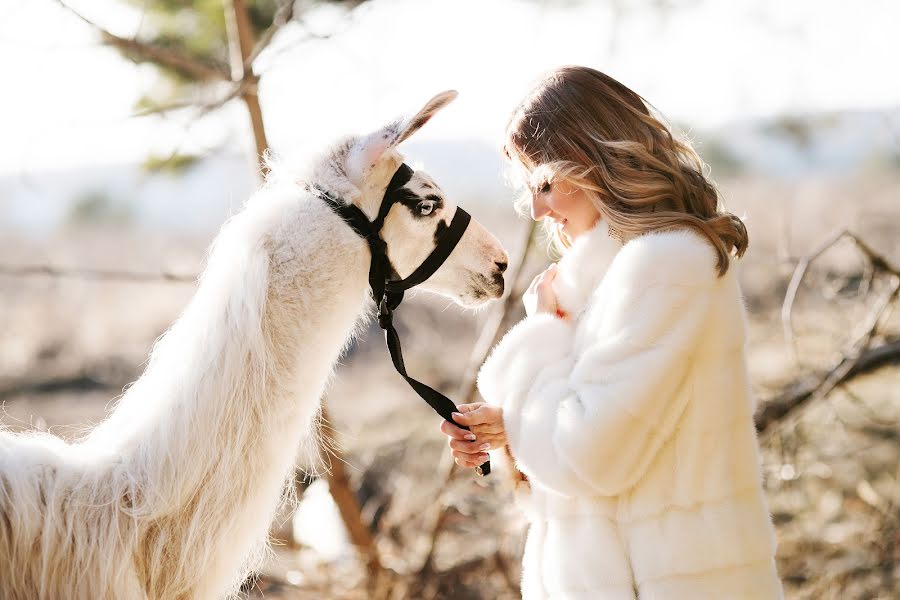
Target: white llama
(171, 497)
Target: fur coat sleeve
(587, 403)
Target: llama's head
(473, 274)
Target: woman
(623, 396)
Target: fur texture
(172, 496)
(633, 423)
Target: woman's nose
(539, 208)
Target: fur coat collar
(582, 267)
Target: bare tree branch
(858, 358)
(90, 273)
(234, 90)
(283, 16)
(804, 392)
(877, 263)
(145, 52)
(240, 42)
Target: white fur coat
(633, 422)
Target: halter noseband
(387, 291)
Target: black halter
(387, 291)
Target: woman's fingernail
(470, 437)
(484, 446)
(456, 415)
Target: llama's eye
(425, 207)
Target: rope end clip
(483, 469)
(385, 316)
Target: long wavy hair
(580, 125)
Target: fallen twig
(91, 273)
(800, 393)
(77, 382)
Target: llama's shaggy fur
(172, 496)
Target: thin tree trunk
(240, 43)
(343, 495)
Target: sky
(69, 102)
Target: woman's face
(566, 205)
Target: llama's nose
(501, 265)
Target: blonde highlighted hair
(582, 126)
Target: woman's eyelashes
(542, 187)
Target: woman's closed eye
(542, 187)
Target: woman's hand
(540, 297)
(485, 422)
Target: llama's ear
(369, 149)
(413, 124)
(366, 153)
(376, 144)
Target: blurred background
(131, 129)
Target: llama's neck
(209, 433)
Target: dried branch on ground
(859, 357)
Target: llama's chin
(474, 301)
(481, 291)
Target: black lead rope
(388, 291)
